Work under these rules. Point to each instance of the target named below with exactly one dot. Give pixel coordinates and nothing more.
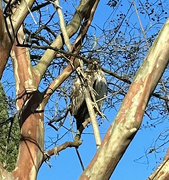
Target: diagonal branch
(13, 22)
(92, 118)
(60, 148)
(88, 95)
(62, 25)
(130, 114)
(87, 7)
(85, 26)
(71, 29)
(142, 29)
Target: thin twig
(30, 12)
(165, 90)
(135, 7)
(77, 151)
(80, 159)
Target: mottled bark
(161, 173)
(130, 114)
(5, 45)
(5, 174)
(30, 102)
(30, 113)
(82, 11)
(85, 10)
(9, 26)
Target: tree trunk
(30, 113)
(31, 148)
(9, 25)
(130, 114)
(30, 102)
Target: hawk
(97, 81)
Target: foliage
(9, 131)
(121, 46)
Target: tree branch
(161, 172)
(60, 148)
(92, 118)
(62, 25)
(130, 114)
(85, 7)
(71, 29)
(21, 60)
(39, 6)
(85, 26)
(13, 23)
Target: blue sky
(67, 166)
(135, 164)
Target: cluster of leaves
(119, 43)
(9, 135)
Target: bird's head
(93, 64)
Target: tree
(9, 134)
(41, 51)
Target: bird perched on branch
(94, 80)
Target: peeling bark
(30, 102)
(9, 29)
(5, 44)
(30, 113)
(5, 175)
(130, 114)
(71, 29)
(5, 47)
(31, 148)
(161, 173)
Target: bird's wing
(77, 96)
(100, 86)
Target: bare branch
(12, 23)
(85, 26)
(130, 114)
(60, 148)
(71, 29)
(92, 118)
(135, 7)
(39, 6)
(62, 25)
